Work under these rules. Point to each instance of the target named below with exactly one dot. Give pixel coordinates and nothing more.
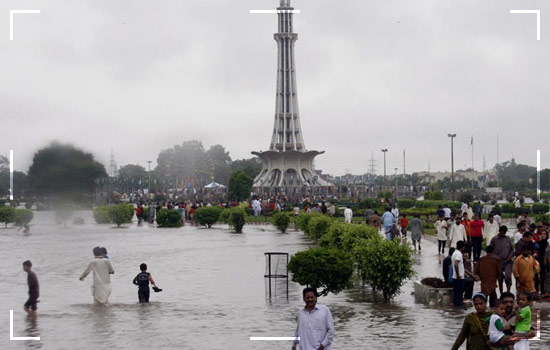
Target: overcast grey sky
(141, 76)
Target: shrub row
(10, 215)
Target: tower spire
(287, 133)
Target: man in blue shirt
(388, 220)
(315, 329)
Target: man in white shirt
(447, 212)
(348, 214)
(457, 233)
(315, 327)
(395, 213)
(498, 219)
(441, 229)
(463, 208)
(102, 269)
(490, 229)
(458, 274)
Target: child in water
(27, 230)
(142, 281)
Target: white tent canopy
(214, 185)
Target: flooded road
(214, 293)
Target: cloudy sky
(140, 76)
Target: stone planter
(433, 296)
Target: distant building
(482, 177)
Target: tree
(7, 215)
(329, 269)
(63, 170)
(20, 182)
(132, 172)
(251, 166)
(221, 162)
(466, 197)
(385, 265)
(185, 164)
(240, 186)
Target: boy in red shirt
(476, 233)
(404, 224)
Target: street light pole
(452, 136)
(149, 184)
(395, 186)
(384, 150)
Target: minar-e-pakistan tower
(287, 166)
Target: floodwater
(214, 293)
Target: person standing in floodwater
(102, 268)
(315, 329)
(34, 289)
(142, 281)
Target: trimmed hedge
(207, 216)
(168, 218)
(23, 216)
(7, 215)
(281, 221)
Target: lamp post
(384, 150)
(395, 186)
(452, 136)
(149, 184)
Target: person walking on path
(404, 224)
(368, 215)
(388, 220)
(34, 289)
(477, 236)
(395, 212)
(315, 328)
(467, 225)
(475, 328)
(524, 271)
(441, 229)
(490, 229)
(457, 233)
(488, 270)
(142, 281)
(102, 269)
(457, 263)
(502, 247)
(348, 214)
(416, 231)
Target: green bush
(433, 204)
(101, 214)
(281, 221)
(237, 219)
(168, 218)
(466, 197)
(318, 226)
(544, 218)
(540, 208)
(405, 203)
(23, 216)
(508, 208)
(329, 269)
(7, 215)
(225, 216)
(419, 211)
(345, 237)
(302, 221)
(497, 209)
(207, 216)
(435, 195)
(385, 265)
(121, 214)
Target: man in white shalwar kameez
(101, 288)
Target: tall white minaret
(287, 133)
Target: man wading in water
(101, 288)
